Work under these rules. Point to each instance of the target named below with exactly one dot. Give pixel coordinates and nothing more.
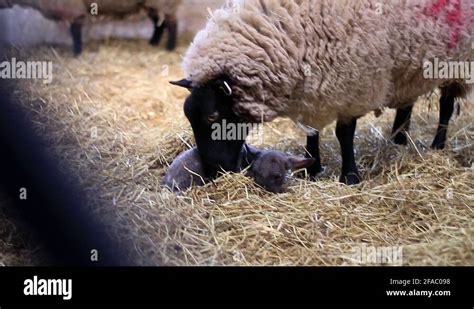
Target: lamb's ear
(185, 83)
(296, 163)
(252, 153)
(225, 85)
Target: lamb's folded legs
(401, 125)
(312, 148)
(345, 134)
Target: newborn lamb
(268, 168)
(185, 171)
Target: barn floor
(112, 115)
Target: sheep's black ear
(299, 163)
(185, 83)
(225, 85)
(252, 153)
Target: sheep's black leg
(312, 147)
(157, 34)
(76, 32)
(446, 108)
(345, 134)
(401, 125)
(172, 26)
(158, 28)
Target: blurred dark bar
(55, 206)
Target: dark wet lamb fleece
(185, 171)
(268, 168)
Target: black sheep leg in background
(172, 26)
(401, 125)
(312, 147)
(446, 108)
(345, 134)
(76, 32)
(158, 28)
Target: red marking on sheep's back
(436, 8)
(455, 20)
(452, 13)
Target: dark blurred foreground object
(46, 200)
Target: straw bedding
(113, 117)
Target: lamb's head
(209, 110)
(270, 168)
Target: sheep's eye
(278, 178)
(213, 117)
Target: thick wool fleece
(114, 7)
(166, 7)
(70, 10)
(316, 61)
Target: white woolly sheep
(161, 12)
(268, 168)
(317, 61)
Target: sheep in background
(161, 12)
(163, 19)
(317, 61)
(268, 168)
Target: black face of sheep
(209, 110)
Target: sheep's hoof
(439, 142)
(313, 172)
(400, 139)
(171, 47)
(350, 179)
(77, 52)
(310, 172)
(438, 145)
(154, 42)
